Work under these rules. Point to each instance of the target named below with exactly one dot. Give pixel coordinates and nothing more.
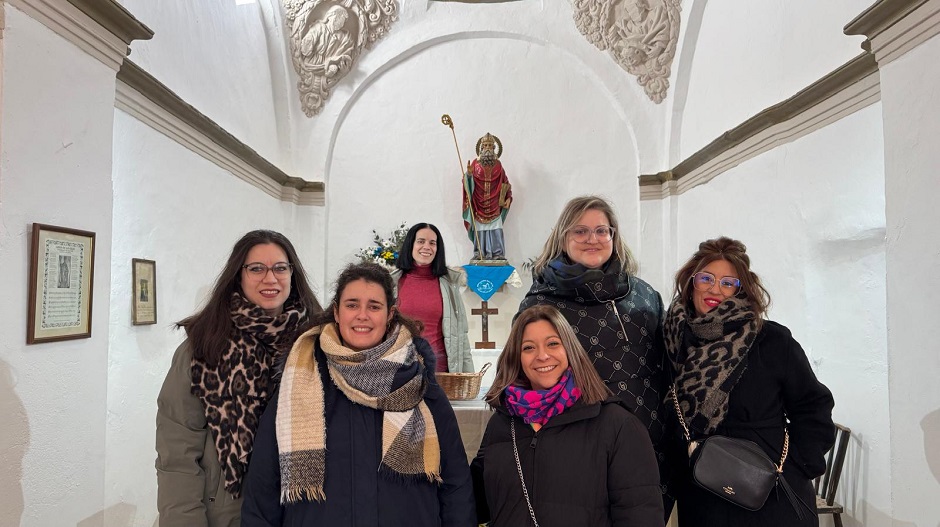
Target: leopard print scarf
(708, 353)
(236, 390)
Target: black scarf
(575, 280)
(708, 353)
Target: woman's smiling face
(362, 314)
(544, 358)
(705, 300)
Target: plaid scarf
(236, 390)
(708, 353)
(410, 447)
(538, 406)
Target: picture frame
(144, 291)
(61, 284)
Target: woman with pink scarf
(560, 448)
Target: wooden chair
(828, 483)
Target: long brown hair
(376, 274)
(509, 366)
(210, 328)
(555, 245)
(735, 253)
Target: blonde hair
(574, 209)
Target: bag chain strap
(515, 453)
(694, 444)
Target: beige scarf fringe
(410, 445)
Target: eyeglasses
(258, 270)
(704, 281)
(582, 233)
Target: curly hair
(735, 253)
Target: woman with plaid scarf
(360, 434)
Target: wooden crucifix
(485, 311)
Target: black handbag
(738, 470)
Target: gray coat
(454, 323)
(190, 487)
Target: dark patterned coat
(618, 319)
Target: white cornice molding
(152, 103)
(848, 89)
(894, 27)
(101, 28)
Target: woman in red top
(429, 292)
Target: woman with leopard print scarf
(221, 378)
(741, 376)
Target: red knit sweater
(419, 297)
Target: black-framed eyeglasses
(582, 233)
(703, 281)
(258, 270)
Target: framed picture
(61, 281)
(145, 292)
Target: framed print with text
(61, 280)
(145, 292)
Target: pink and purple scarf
(538, 406)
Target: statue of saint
(487, 196)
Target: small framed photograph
(145, 292)
(61, 282)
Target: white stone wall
(55, 168)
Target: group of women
(278, 412)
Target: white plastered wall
(215, 56)
(176, 208)
(55, 168)
(911, 128)
(738, 57)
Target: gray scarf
(708, 353)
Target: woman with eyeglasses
(429, 292)
(742, 376)
(587, 272)
(221, 377)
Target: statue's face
(487, 145)
(336, 22)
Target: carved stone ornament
(640, 35)
(326, 38)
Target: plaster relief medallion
(326, 39)
(640, 35)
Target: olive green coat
(190, 487)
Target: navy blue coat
(357, 495)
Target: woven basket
(461, 386)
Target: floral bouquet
(384, 251)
